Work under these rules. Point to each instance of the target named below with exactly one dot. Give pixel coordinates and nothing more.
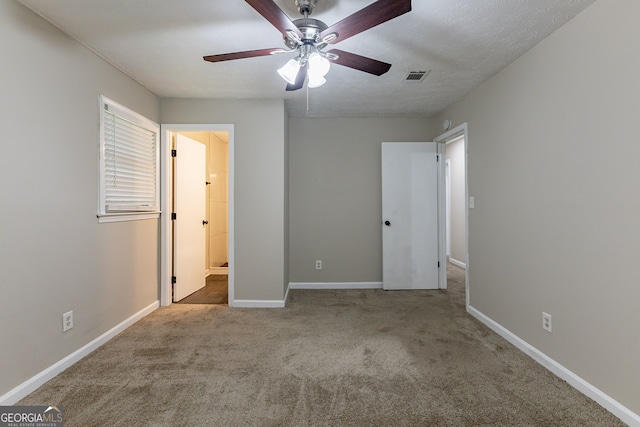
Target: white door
(189, 226)
(410, 215)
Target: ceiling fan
(309, 37)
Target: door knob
(387, 223)
(205, 222)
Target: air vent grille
(416, 76)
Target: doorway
(456, 229)
(457, 215)
(219, 139)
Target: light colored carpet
(330, 358)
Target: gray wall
(458, 242)
(54, 256)
(335, 194)
(260, 186)
(553, 165)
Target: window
(129, 164)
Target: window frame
(131, 116)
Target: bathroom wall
(217, 164)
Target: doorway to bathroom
(213, 283)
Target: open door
(410, 215)
(190, 225)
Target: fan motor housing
(310, 29)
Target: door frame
(166, 191)
(457, 132)
(447, 205)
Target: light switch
(472, 202)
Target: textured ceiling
(160, 43)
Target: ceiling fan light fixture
(289, 71)
(309, 36)
(316, 81)
(318, 65)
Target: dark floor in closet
(214, 292)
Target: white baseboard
(458, 263)
(281, 303)
(336, 285)
(29, 386)
(257, 303)
(218, 270)
(603, 399)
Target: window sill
(128, 216)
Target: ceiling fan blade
(302, 75)
(272, 13)
(372, 15)
(362, 63)
(241, 55)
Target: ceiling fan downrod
(305, 7)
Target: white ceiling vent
(416, 76)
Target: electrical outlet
(546, 322)
(67, 321)
(318, 264)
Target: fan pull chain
(307, 99)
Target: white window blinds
(129, 161)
